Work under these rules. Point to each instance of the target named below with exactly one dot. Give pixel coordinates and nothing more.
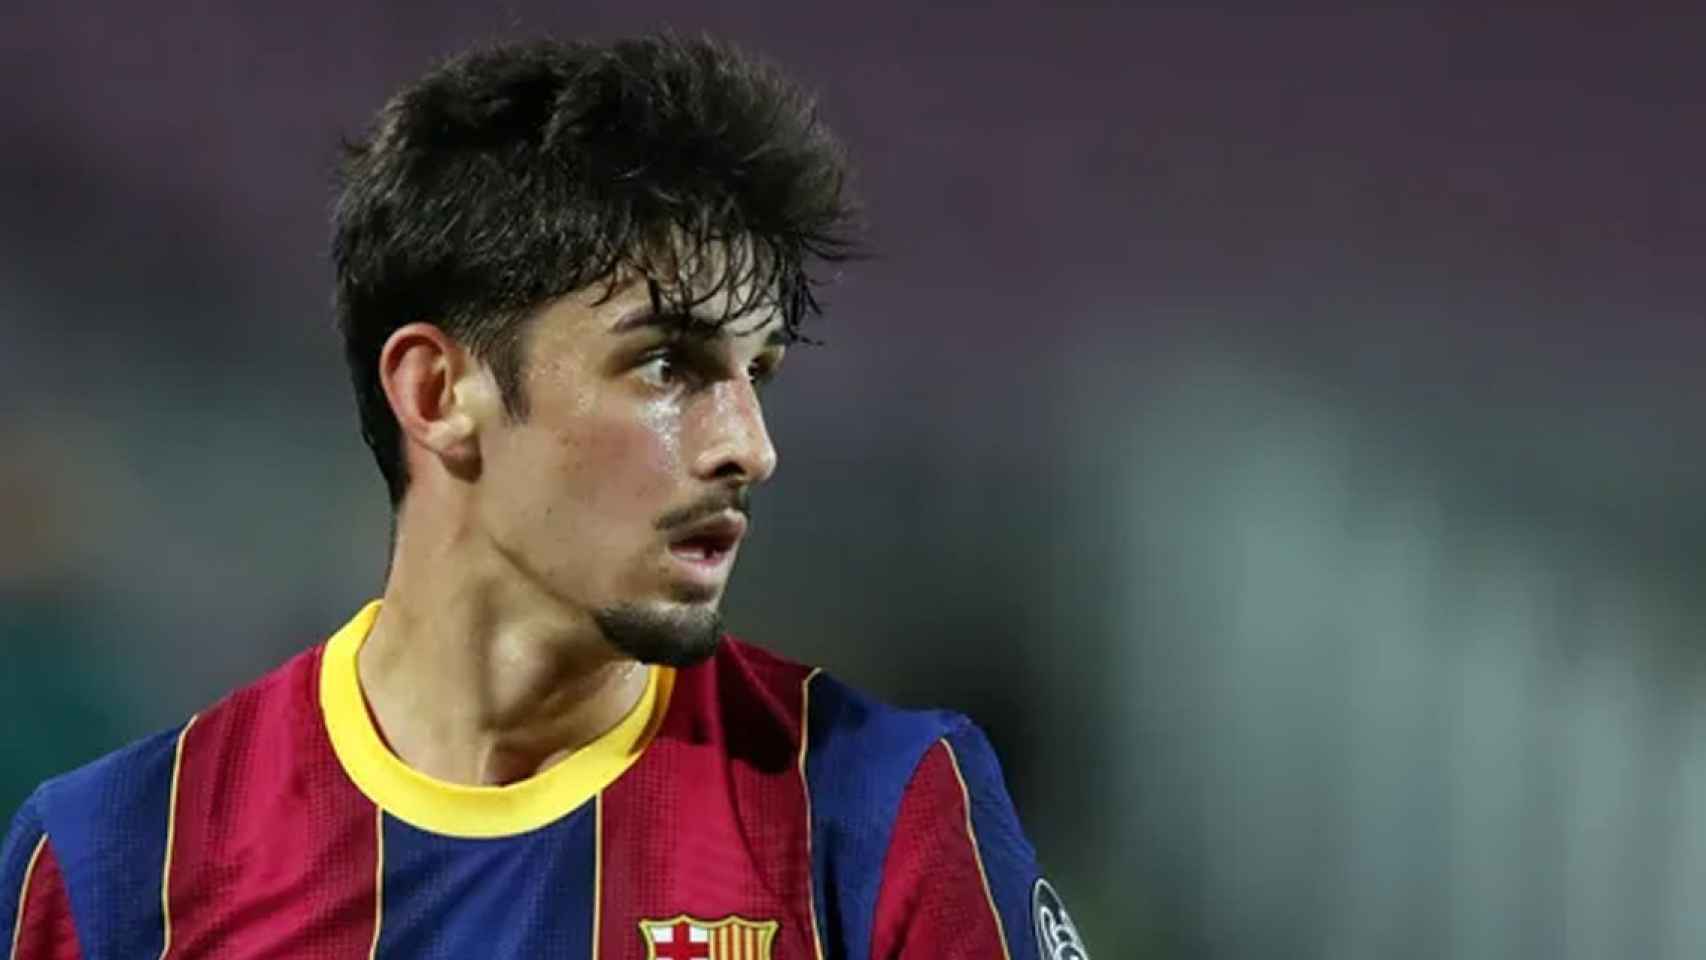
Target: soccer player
(563, 272)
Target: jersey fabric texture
(747, 809)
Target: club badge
(688, 938)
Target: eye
(762, 370)
(661, 367)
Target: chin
(675, 635)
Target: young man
(563, 272)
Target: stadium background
(1280, 432)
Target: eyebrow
(645, 317)
(641, 317)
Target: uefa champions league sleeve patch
(1057, 936)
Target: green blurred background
(1279, 431)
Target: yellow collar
(455, 809)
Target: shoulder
(891, 789)
(137, 780)
(857, 753)
(857, 729)
(109, 823)
(864, 757)
(837, 729)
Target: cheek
(633, 461)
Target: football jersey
(748, 808)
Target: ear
(438, 393)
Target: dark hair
(509, 177)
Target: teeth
(704, 549)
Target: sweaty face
(623, 491)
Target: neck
(474, 676)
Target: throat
(489, 715)
(503, 767)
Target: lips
(709, 541)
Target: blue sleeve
(22, 842)
(861, 755)
(1009, 861)
(961, 879)
(1032, 914)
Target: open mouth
(706, 545)
(702, 549)
(705, 548)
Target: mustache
(738, 500)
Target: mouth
(709, 544)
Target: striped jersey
(748, 808)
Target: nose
(738, 445)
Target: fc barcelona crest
(689, 938)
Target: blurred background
(1280, 432)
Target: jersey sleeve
(35, 908)
(960, 880)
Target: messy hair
(509, 177)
